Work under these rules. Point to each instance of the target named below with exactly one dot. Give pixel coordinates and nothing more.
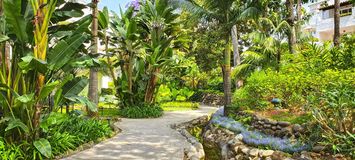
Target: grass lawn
(179, 106)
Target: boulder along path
(145, 139)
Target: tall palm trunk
(336, 22)
(152, 83)
(291, 22)
(236, 54)
(93, 83)
(226, 68)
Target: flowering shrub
(256, 138)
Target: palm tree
(267, 48)
(226, 13)
(291, 22)
(93, 83)
(336, 22)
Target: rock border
(195, 151)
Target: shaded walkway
(145, 139)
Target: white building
(321, 23)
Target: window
(346, 11)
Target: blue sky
(113, 5)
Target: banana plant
(32, 74)
(163, 31)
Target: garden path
(145, 139)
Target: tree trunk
(291, 22)
(236, 54)
(336, 22)
(130, 73)
(227, 77)
(149, 94)
(93, 83)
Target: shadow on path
(145, 139)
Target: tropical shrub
(293, 88)
(10, 152)
(333, 110)
(143, 111)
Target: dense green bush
(294, 88)
(143, 111)
(60, 133)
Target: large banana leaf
(74, 87)
(103, 18)
(3, 38)
(64, 51)
(14, 19)
(68, 11)
(31, 63)
(16, 123)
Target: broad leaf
(47, 89)
(3, 38)
(85, 101)
(31, 63)
(44, 147)
(16, 123)
(64, 51)
(16, 21)
(25, 99)
(74, 87)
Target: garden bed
(224, 138)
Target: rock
(274, 128)
(297, 128)
(269, 131)
(239, 137)
(198, 146)
(237, 149)
(268, 158)
(238, 157)
(274, 123)
(194, 157)
(319, 148)
(245, 150)
(283, 124)
(278, 127)
(266, 153)
(254, 152)
(267, 125)
(278, 155)
(261, 122)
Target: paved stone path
(145, 139)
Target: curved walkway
(145, 139)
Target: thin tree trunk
(291, 22)
(93, 83)
(227, 77)
(149, 94)
(130, 73)
(236, 54)
(336, 22)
